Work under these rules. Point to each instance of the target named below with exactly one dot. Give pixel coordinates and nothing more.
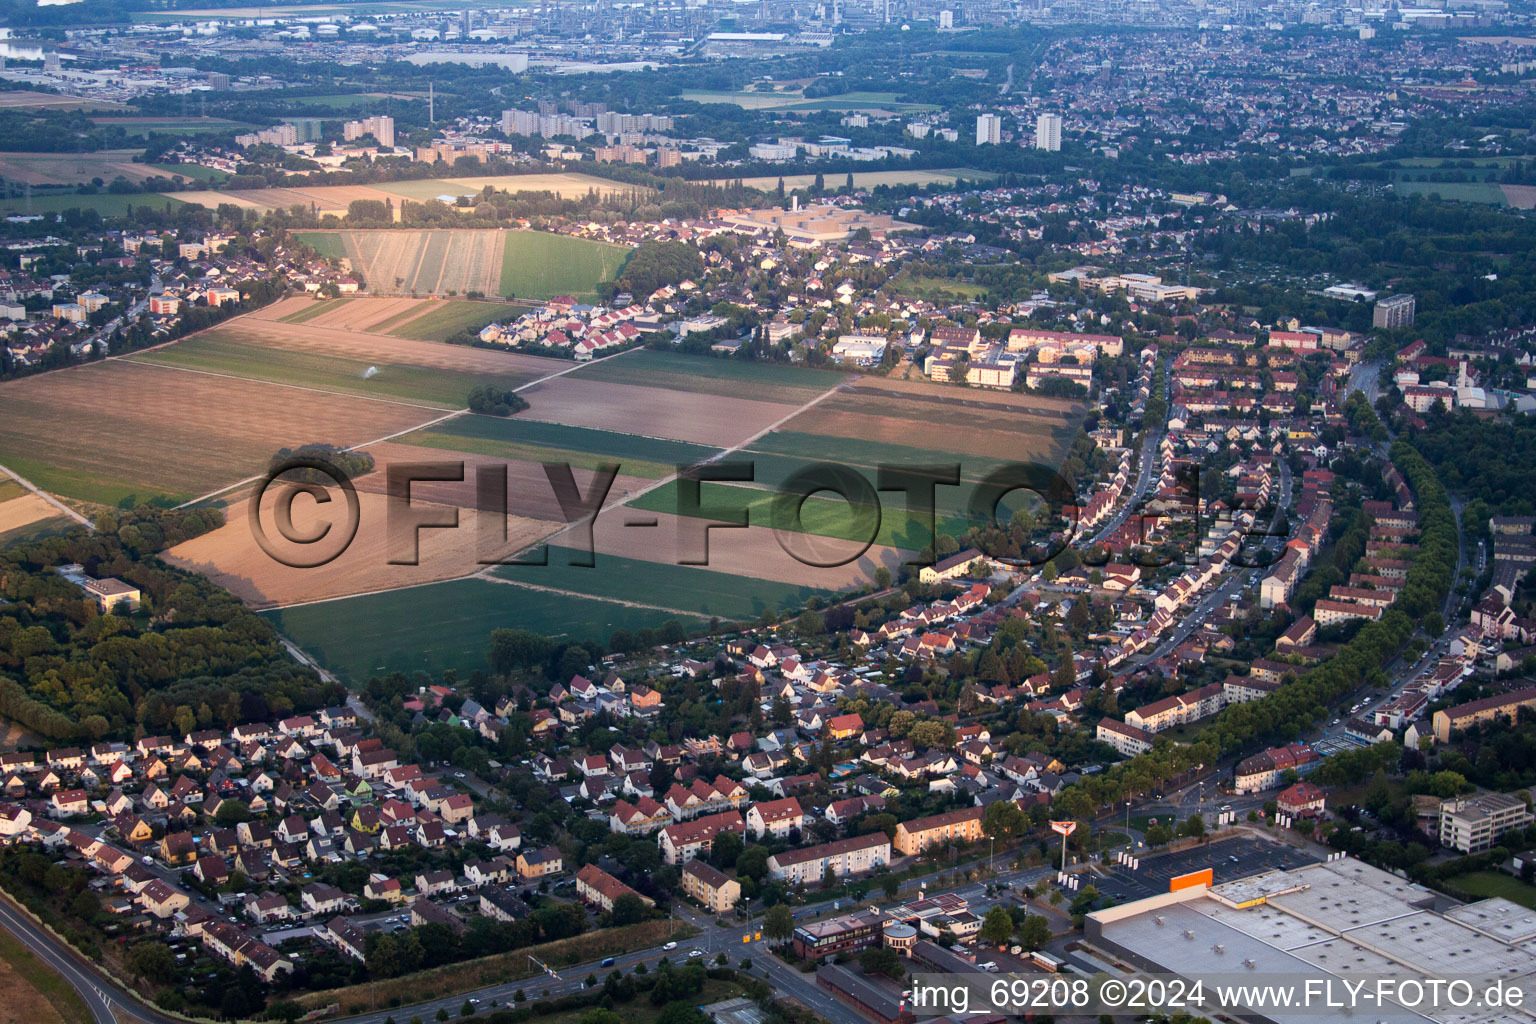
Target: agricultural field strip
(588, 597)
(401, 433)
(281, 384)
(724, 452)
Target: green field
(733, 378)
(924, 287)
(143, 126)
(1486, 192)
(105, 203)
(531, 440)
(682, 587)
(220, 351)
(822, 516)
(446, 625)
(540, 265)
(195, 172)
(314, 310)
(10, 489)
(327, 243)
(1494, 883)
(442, 320)
(85, 486)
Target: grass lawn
(540, 265)
(733, 378)
(329, 244)
(584, 447)
(446, 625)
(10, 489)
(684, 587)
(315, 309)
(1494, 883)
(441, 320)
(926, 286)
(216, 352)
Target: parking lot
(1228, 859)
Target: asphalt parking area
(1228, 859)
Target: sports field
(448, 625)
(541, 265)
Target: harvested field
(426, 262)
(73, 168)
(232, 558)
(732, 378)
(361, 314)
(315, 310)
(529, 494)
(952, 431)
(24, 510)
(566, 186)
(282, 309)
(309, 356)
(24, 99)
(211, 199)
(651, 412)
(1521, 197)
(114, 429)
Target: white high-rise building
(946, 19)
(1048, 132)
(989, 130)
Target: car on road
(458, 775)
(670, 945)
(694, 954)
(608, 962)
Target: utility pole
(431, 103)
